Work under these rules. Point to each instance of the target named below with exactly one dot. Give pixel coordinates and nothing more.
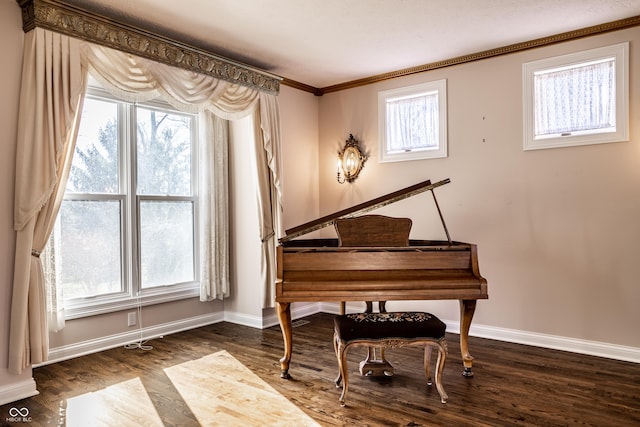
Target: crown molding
(301, 86)
(56, 15)
(505, 50)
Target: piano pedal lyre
(374, 367)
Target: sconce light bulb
(350, 161)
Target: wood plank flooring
(514, 385)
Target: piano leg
(284, 316)
(467, 309)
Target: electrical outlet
(131, 319)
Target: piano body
(377, 266)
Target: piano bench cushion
(381, 326)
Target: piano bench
(390, 330)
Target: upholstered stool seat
(390, 330)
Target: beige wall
(299, 116)
(557, 229)
(245, 304)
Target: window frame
(133, 294)
(438, 86)
(620, 53)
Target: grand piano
(380, 268)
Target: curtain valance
(137, 79)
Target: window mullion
(128, 187)
(195, 189)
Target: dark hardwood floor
(514, 385)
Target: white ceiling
(326, 42)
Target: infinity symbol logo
(14, 412)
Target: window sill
(127, 303)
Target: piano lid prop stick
(441, 217)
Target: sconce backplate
(351, 159)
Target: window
(127, 225)
(413, 122)
(577, 99)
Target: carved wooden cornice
(55, 15)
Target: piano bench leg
(337, 348)
(441, 346)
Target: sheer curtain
(575, 99)
(412, 123)
(40, 169)
(213, 201)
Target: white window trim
(621, 53)
(441, 87)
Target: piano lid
(370, 205)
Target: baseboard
(591, 348)
(269, 317)
(17, 391)
(59, 354)
(243, 319)
(297, 311)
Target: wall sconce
(350, 161)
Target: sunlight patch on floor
(126, 403)
(222, 391)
